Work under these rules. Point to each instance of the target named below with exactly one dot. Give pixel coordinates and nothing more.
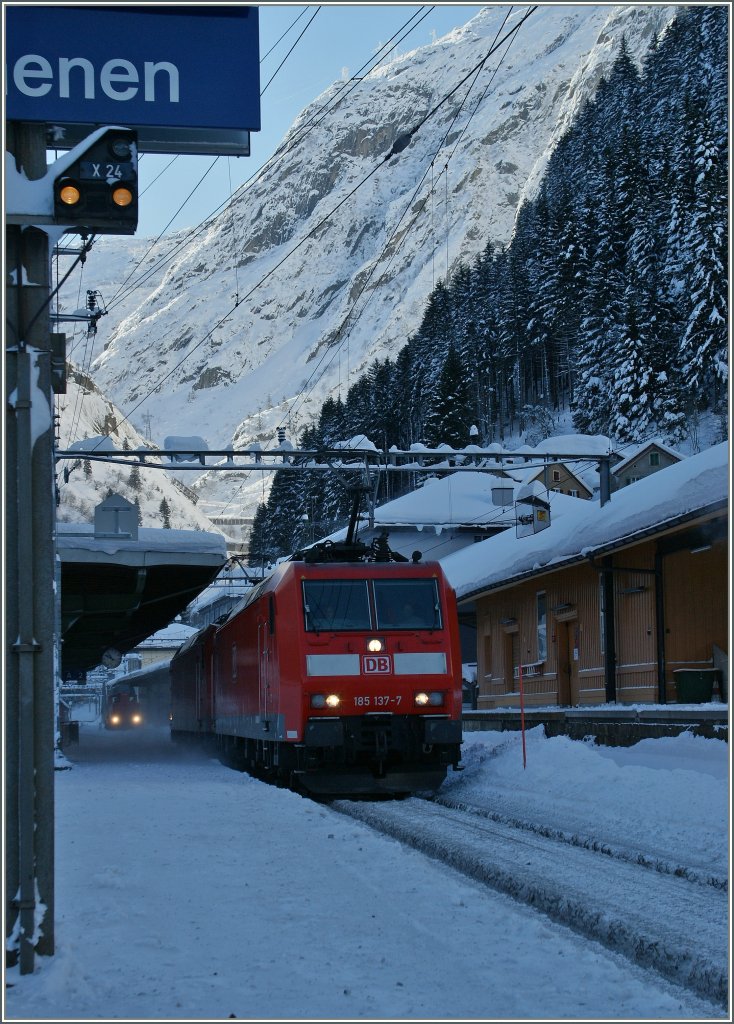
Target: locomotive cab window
(333, 605)
(407, 604)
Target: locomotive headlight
(115, 719)
(375, 645)
(320, 700)
(434, 698)
(137, 719)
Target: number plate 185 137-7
(377, 701)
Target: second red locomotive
(337, 677)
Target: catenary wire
(279, 154)
(397, 147)
(290, 27)
(303, 396)
(398, 37)
(334, 350)
(262, 91)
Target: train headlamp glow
(320, 700)
(375, 645)
(137, 719)
(115, 719)
(434, 698)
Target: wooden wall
(695, 588)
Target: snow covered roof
(459, 500)
(77, 542)
(576, 444)
(579, 528)
(172, 635)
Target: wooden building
(556, 477)
(645, 460)
(606, 607)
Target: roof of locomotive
(315, 570)
(192, 641)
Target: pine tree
(165, 511)
(134, 480)
(450, 417)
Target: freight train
(338, 674)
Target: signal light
(69, 194)
(98, 193)
(122, 196)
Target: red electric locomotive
(338, 677)
(192, 678)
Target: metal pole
(660, 625)
(29, 579)
(26, 649)
(610, 651)
(605, 480)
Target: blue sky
(339, 40)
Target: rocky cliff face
(326, 261)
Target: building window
(542, 623)
(556, 474)
(574, 493)
(654, 459)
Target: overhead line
(267, 165)
(398, 146)
(303, 396)
(292, 25)
(309, 127)
(262, 91)
(417, 214)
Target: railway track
(658, 915)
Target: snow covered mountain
(325, 262)
(85, 414)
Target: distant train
(122, 710)
(339, 674)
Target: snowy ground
(187, 891)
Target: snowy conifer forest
(609, 302)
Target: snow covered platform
(612, 725)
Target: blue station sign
(174, 73)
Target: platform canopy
(118, 591)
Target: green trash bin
(695, 685)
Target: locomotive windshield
(336, 604)
(407, 604)
(345, 604)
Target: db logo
(376, 663)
